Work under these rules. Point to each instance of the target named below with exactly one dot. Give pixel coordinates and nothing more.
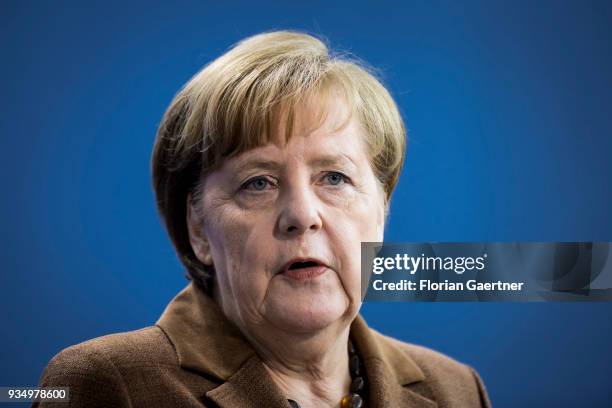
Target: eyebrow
(331, 160)
(257, 164)
(321, 161)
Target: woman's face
(313, 199)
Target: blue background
(509, 112)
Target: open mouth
(304, 270)
(300, 265)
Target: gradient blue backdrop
(509, 112)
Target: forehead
(319, 134)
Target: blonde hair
(233, 104)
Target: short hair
(234, 102)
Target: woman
(271, 166)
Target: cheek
(360, 220)
(362, 215)
(238, 245)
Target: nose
(300, 212)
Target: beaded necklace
(354, 399)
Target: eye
(256, 184)
(334, 178)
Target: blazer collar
(207, 342)
(204, 339)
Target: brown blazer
(194, 357)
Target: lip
(303, 274)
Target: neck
(310, 371)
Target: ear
(197, 237)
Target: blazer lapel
(250, 387)
(389, 370)
(204, 339)
(387, 392)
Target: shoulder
(115, 351)
(103, 366)
(444, 377)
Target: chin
(309, 316)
